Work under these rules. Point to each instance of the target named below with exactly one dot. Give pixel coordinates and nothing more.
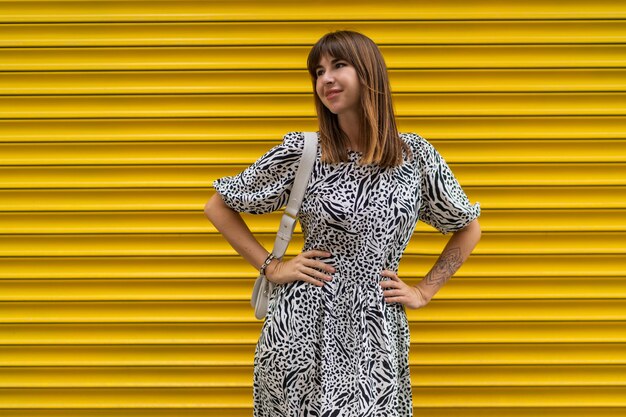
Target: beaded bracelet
(268, 260)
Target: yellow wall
(119, 298)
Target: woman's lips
(333, 94)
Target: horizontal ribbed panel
(294, 57)
(236, 311)
(443, 376)
(116, 116)
(284, 105)
(116, 199)
(232, 267)
(182, 332)
(212, 289)
(250, 10)
(193, 222)
(242, 355)
(238, 411)
(305, 33)
(285, 81)
(154, 244)
(237, 397)
(188, 175)
(237, 129)
(244, 152)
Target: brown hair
(382, 142)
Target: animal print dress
(341, 350)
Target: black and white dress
(341, 350)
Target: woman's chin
(334, 109)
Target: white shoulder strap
(303, 174)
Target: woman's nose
(327, 79)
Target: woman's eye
(338, 63)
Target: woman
(335, 341)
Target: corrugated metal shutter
(118, 297)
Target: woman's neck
(350, 126)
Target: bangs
(330, 47)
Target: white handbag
(263, 288)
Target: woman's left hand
(396, 291)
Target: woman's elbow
(213, 205)
(474, 228)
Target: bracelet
(268, 260)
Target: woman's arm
(230, 224)
(454, 254)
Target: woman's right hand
(300, 268)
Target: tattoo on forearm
(447, 264)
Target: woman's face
(338, 75)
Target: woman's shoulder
(420, 147)
(415, 140)
(294, 141)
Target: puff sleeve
(265, 185)
(444, 205)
